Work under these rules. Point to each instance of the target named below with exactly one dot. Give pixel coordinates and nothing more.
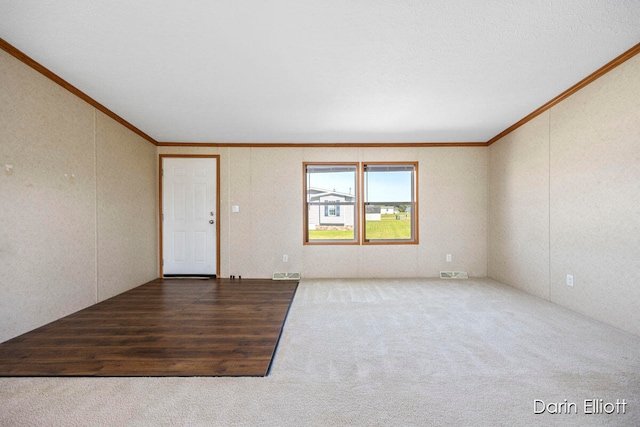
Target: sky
(379, 186)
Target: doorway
(189, 215)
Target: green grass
(388, 228)
(330, 234)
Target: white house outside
(331, 209)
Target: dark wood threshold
(189, 276)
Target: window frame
(360, 205)
(356, 205)
(414, 240)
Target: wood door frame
(160, 212)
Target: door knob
(210, 221)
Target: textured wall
(595, 199)
(558, 196)
(267, 185)
(47, 219)
(518, 227)
(55, 206)
(126, 208)
(577, 168)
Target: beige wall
(126, 208)
(518, 228)
(77, 211)
(560, 195)
(564, 198)
(267, 185)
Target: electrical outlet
(285, 258)
(448, 257)
(569, 280)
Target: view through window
(389, 202)
(388, 206)
(331, 212)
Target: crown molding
(567, 93)
(68, 86)
(322, 145)
(573, 89)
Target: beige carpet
(378, 352)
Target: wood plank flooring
(163, 328)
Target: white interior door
(189, 220)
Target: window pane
(386, 222)
(389, 186)
(389, 202)
(331, 202)
(342, 182)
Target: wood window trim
(305, 210)
(360, 218)
(415, 215)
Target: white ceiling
(331, 71)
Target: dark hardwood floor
(163, 328)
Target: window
(332, 210)
(330, 203)
(390, 204)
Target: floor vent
(286, 276)
(453, 275)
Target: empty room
(329, 213)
